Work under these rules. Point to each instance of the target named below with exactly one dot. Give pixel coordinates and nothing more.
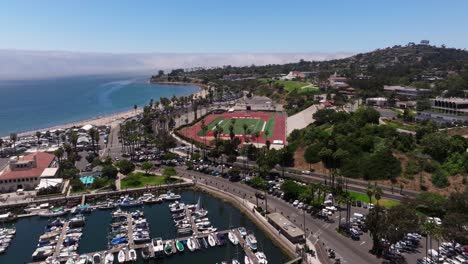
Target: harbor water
(95, 233)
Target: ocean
(35, 104)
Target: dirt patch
(300, 163)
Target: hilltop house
(26, 172)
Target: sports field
(258, 127)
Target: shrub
(440, 178)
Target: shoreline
(106, 119)
(227, 197)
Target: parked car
(295, 203)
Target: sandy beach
(110, 119)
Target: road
(318, 231)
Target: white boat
(247, 260)
(70, 261)
(97, 258)
(158, 247)
(211, 240)
(109, 258)
(261, 258)
(85, 259)
(242, 231)
(191, 244)
(145, 252)
(251, 242)
(132, 255)
(232, 237)
(172, 196)
(235, 261)
(121, 256)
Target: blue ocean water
(34, 104)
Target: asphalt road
(317, 230)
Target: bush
(99, 182)
(109, 172)
(440, 178)
(125, 166)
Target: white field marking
(362, 243)
(263, 127)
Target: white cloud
(22, 64)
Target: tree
(109, 172)
(311, 154)
(125, 166)
(168, 173)
(135, 107)
(376, 226)
(147, 166)
(38, 136)
(13, 138)
(59, 154)
(436, 145)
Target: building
(286, 228)
(257, 103)
(452, 105)
(26, 173)
(336, 81)
(425, 42)
(376, 101)
(296, 74)
(407, 91)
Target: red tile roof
(43, 161)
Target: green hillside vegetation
(355, 146)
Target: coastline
(108, 119)
(286, 247)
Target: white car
(300, 205)
(306, 172)
(296, 203)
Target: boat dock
(62, 236)
(132, 245)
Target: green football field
(253, 125)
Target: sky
(58, 34)
(229, 26)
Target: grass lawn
(139, 179)
(270, 127)
(254, 125)
(364, 198)
(400, 125)
(211, 125)
(290, 85)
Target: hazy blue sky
(229, 26)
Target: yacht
(261, 258)
(132, 255)
(211, 240)
(109, 258)
(251, 242)
(242, 231)
(158, 247)
(232, 237)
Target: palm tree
(339, 199)
(135, 107)
(370, 193)
(378, 193)
(74, 139)
(38, 136)
(59, 154)
(63, 137)
(1, 143)
(57, 135)
(13, 138)
(428, 228)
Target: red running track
(279, 131)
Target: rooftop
(452, 99)
(285, 224)
(405, 88)
(43, 161)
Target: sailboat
(211, 240)
(121, 256)
(132, 255)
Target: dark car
(260, 195)
(359, 203)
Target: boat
(121, 256)
(158, 247)
(221, 239)
(85, 259)
(81, 209)
(54, 212)
(132, 255)
(179, 246)
(128, 202)
(191, 244)
(261, 258)
(146, 252)
(118, 240)
(168, 248)
(170, 196)
(109, 258)
(107, 206)
(235, 261)
(97, 258)
(251, 242)
(205, 243)
(42, 253)
(77, 221)
(8, 217)
(242, 231)
(200, 213)
(232, 237)
(211, 240)
(69, 261)
(247, 260)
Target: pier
(62, 236)
(132, 245)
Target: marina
(152, 233)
